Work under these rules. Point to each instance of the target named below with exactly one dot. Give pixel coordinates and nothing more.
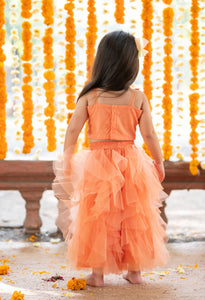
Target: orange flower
(76, 284)
(26, 6)
(17, 296)
(91, 37)
(168, 15)
(147, 17)
(119, 11)
(4, 269)
(49, 75)
(194, 97)
(48, 11)
(70, 36)
(167, 2)
(27, 111)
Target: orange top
(114, 122)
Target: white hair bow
(141, 43)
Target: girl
(117, 224)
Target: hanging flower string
(119, 11)
(3, 93)
(147, 17)
(168, 15)
(49, 75)
(91, 37)
(70, 57)
(194, 96)
(27, 111)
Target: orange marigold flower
(193, 97)
(49, 75)
(4, 269)
(119, 11)
(76, 284)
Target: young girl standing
(116, 225)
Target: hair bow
(141, 43)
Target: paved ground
(30, 264)
(27, 261)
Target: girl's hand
(160, 170)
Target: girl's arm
(150, 137)
(75, 125)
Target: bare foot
(133, 277)
(94, 280)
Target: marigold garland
(168, 15)
(168, 2)
(119, 11)
(26, 6)
(70, 56)
(47, 11)
(147, 17)
(3, 93)
(49, 75)
(194, 97)
(91, 36)
(27, 111)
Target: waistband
(104, 145)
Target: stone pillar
(162, 209)
(32, 222)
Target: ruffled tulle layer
(109, 199)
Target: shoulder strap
(132, 98)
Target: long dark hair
(116, 64)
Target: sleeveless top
(114, 122)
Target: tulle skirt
(109, 198)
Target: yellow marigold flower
(13, 21)
(13, 6)
(36, 20)
(182, 9)
(15, 80)
(14, 32)
(17, 150)
(180, 157)
(4, 269)
(17, 296)
(76, 284)
(35, 11)
(61, 43)
(80, 43)
(179, 64)
(36, 33)
(14, 37)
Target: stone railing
(32, 178)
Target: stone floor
(32, 260)
(29, 265)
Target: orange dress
(109, 198)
